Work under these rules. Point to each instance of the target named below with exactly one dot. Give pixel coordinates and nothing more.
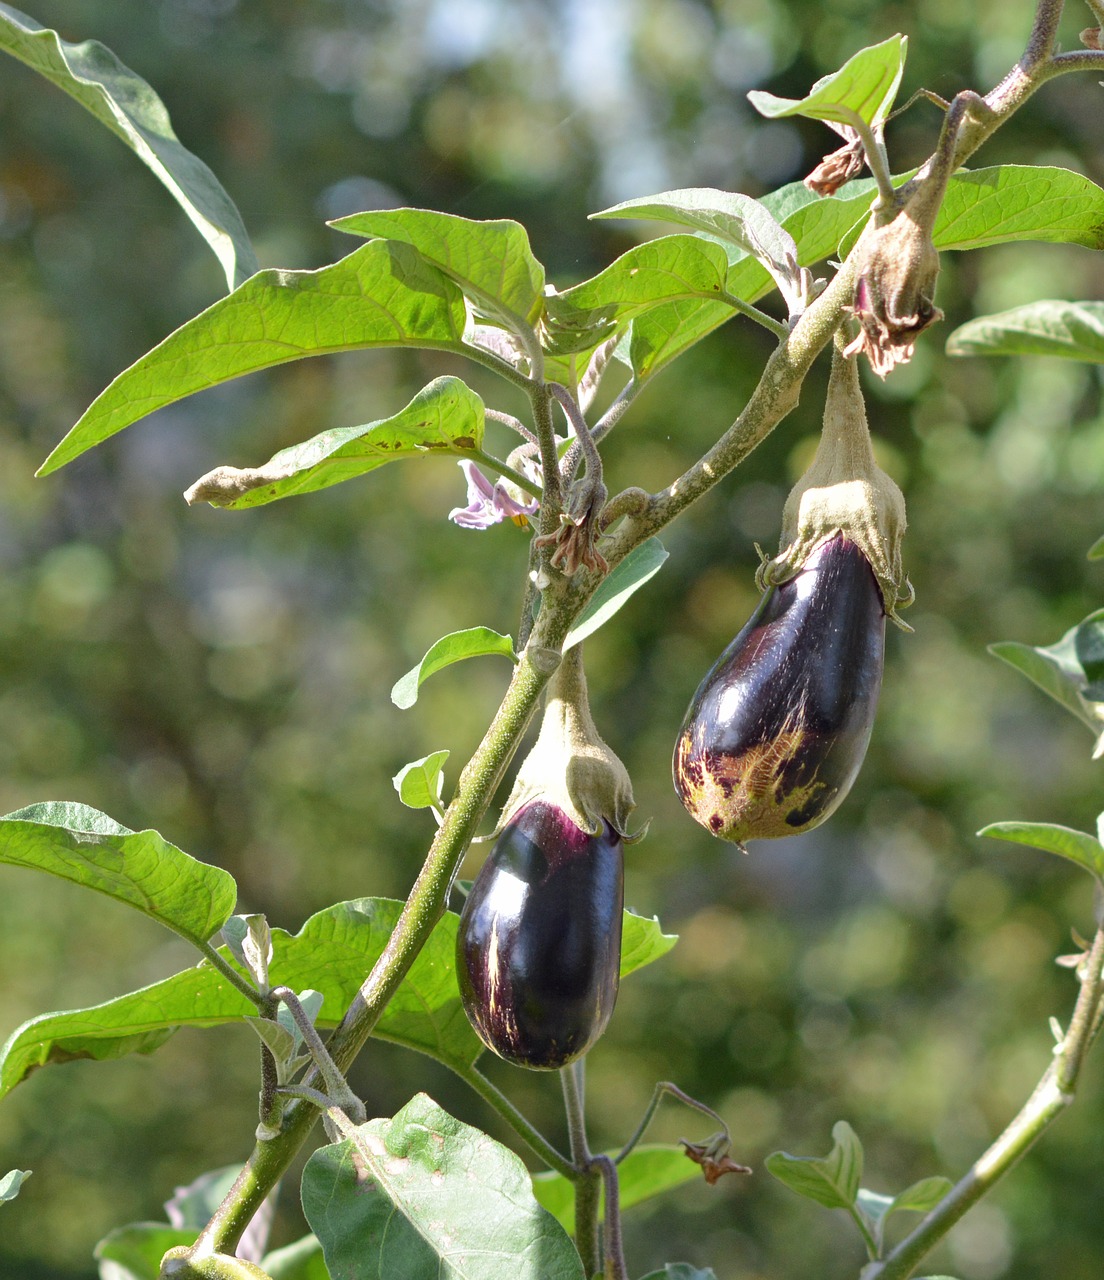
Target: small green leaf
(833, 1180)
(1060, 671)
(419, 783)
(661, 270)
(424, 1194)
(681, 1271)
(250, 941)
(381, 295)
(642, 942)
(735, 219)
(490, 261)
(140, 869)
(641, 564)
(11, 1182)
(1096, 551)
(134, 1252)
(454, 647)
(1077, 846)
(863, 87)
(94, 76)
(302, 1260)
(647, 1171)
(446, 417)
(921, 1197)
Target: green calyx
(570, 765)
(844, 491)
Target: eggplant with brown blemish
(777, 730)
(539, 943)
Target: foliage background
(224, 676)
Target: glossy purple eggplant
(777, 730)
(538, 950)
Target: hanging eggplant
(538, 950)
(777, 730)
(539, 947)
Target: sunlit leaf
(419, 783)
(11, 1182)
(643, 942)
(1010, 202)
(424, 1194)
(140, 869)
(1077, 846)
(490, 261)
(457, 645)
(383, 294)
(446, 417)
(642, 563)
(1069, 671)
(832, 1180)
(134, 1252)
(1074, 330)
(646, 1171)
(863, 87)
(125, 103)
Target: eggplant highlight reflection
(538, 949)
(778, 729)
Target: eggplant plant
(839, 268)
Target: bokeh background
(224, 676)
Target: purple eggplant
(777, 731)
(538, 950)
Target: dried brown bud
(1091, 37)
(896, 269)
(837, 168)
(715, 1163)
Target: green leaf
(681, 1271)
(661, 270)
(1009, 202)
(833, 1180)
(302, 1260)
(140, 869)
(419, 783)
(134, 1252)
(642, 563)
(490, 261)
(733, 218)
(921, 1197)
(662, 334)
(642, 942)
(1074, 330)
(646, 1171)
(333, 951)
(1096, 551)
(863, 87)
(1077, 846)
(424, 1195)
(446, 417)
(383, 294)
(1060, 671)
(94, 76)
(11, 1182)
(454, 647)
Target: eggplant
(778, 729)
(538, 950)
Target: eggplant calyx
(844, 492)
(570, 766)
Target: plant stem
(776, 327)
(1052, 1095)
(588, 1179)
(504, 469)
(663, 1090)
(232, 975)
(532, 1137)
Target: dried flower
(713, 1157)
(839, 166)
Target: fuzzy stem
(588, 1180)
(665, 1089)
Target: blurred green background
(224, 676)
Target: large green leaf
(332, 953)
(444, 417)
(863, 87)
(94, 76)
(134, 1252)
(735, 219)
(490, 261)
(138, 868)
(1069, 671)
(641, 564)
(832, 1180)
(1051, 327)
(661, 270)
(1076, 846)
(383, 294)
(455, 647)
(1011, 202)
(424, 1195)
(646, 1171)
(664, 333)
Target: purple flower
(489, 504)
